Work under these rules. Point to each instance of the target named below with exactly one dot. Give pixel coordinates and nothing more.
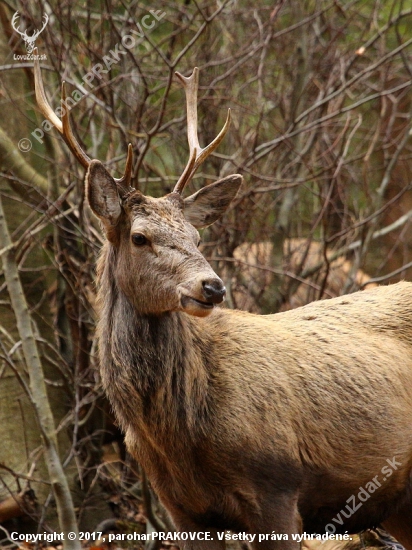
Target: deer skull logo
(28, 40)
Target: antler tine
(197, 155)
(78, 151)
(204, 153)
(68, 135)
(41, 98)
(127, 176)
(64, 126)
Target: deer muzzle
(199, 297)
(213, 291)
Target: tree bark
(38, 393)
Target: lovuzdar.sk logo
(29, 40)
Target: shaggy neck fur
(154, 368)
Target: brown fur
(355, 544)
(247, 422)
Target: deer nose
(214, 291)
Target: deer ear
(102, 193)
(207, 205)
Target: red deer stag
(300, 421)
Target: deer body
(245, 437)
(245, 422)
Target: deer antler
(64, 126)
(197, 155)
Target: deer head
(28, 40)
(156, 262)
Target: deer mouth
(196, 307)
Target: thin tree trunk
(62, 495)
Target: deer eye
(139, 239)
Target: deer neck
(155, 369)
